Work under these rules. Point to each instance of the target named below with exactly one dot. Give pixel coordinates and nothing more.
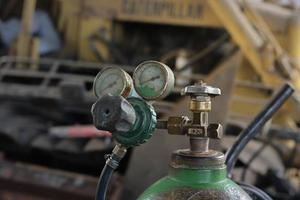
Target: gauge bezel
(126, 78)
(169, 79)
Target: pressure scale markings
(153, 80)
(114, 81)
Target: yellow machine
(266, 34)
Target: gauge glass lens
(110, 80)
(150, 79)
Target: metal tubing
(250, 132)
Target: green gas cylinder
(195, 177)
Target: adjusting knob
(113, 113)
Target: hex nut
(215, 131)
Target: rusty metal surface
(42, 181)
(18, 180)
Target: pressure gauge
(153, 80)
(112, 80)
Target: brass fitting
(199, 106)
(119, 151)
(177, 125)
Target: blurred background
(51, 50)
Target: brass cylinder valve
(198, 128)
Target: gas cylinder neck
(187, 159)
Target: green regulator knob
(131, 121)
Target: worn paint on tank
(195, 184)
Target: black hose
(112, 163)
(273, 106)
(254, 192)
(104, 179)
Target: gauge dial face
(112, 80)
(153, 80)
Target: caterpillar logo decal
(179, 9)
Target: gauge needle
(151, 79)
(110, 85)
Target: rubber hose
(251, 131)
(104, 180)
